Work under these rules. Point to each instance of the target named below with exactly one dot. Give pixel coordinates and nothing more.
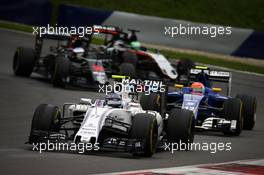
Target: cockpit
(113, 100)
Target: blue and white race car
(211, 110)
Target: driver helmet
(113, 100)
(135, 45)
(198, 88)
(119, 43)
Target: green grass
(236, 13)
(169, 54)
(215, 61)
(16, 26)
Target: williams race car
(213, 111)
(69, 61)
(119, 122)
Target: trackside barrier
(241, 42)
(30, 12)
(253, 46)
(70, 15)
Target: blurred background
(246, 17)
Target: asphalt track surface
(20, 96)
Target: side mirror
(180, 86)
(216, 89)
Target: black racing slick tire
(184, 66)
(180, 126)
(249, 107)
(61, 71)
(150, 102)
(23, 61)
(233, 111)
(129, 57)
(128, 69)
(145, 129)
(45, 119)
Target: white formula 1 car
(117, 123)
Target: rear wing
(51, 36)
(54, 36)
(114, 30)
(106, 30)
(57, 37)
(213, 76)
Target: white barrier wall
(153, 29)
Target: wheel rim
(158, 101)
(191, 131)
(255, 112)
(239, 125)
(153, 137)
(16, 63)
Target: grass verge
(235, 13)
(16, 26)
(170, 54)
(215, 61)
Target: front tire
(150, 102)
(145, 129)
(180, 126)
(233, 111)
(45, 119)
(249, 107)
(128, 69)
(23, 61)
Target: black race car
(122, 53)
(70, 61)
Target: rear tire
(46, 118)
(150, 102)
(233, 111)
(144, 128)
(180, 126)
(249, 106)
(187, 63)
(61, 71)
(184, 66)
(128, 69)
(129, 57)
(23, 61)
